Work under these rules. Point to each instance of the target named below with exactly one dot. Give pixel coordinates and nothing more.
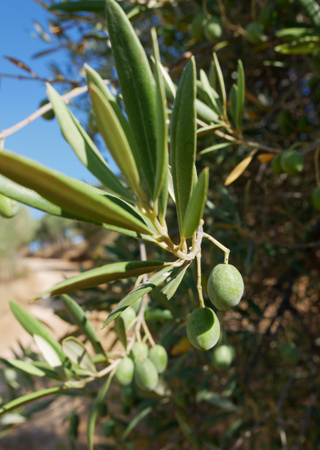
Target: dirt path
(40, 275)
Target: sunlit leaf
(239, 169)
(77, 353)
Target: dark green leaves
(71, 195)
(195, 206)
(104, 274)
(183, 140)
(137, 87)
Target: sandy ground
(46, 429)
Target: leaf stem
(199, 285)
(218, 244)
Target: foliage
(232, 118)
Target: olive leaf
(183, 140)
(137, 87)
(240, 168)
(77, 353)
(83, 146)
(240, 95)
(103, 274)
(71, 195)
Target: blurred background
(266, 397)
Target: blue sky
(41, 140)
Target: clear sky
(41, 140)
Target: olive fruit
(124, 372)
(267, 16)
(49, 115)
(213, 29)
(292, 161)
(225, 286)
(158, 355)
(146, 375)
(222, 356)
(254, 33)
(290, 353)
(197, 27)
(8, 207)
(108, 428)
(139, 351)
(315, 198)
(203, 328)
(276, 165)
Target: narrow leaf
(302, 46)
(312, 10)
(21, 401)
(34, 327)
(95, 409)
(104, 274)
(183, 139)
(113, 135)
(210, 95)
(21, 65)
(161, 116)
(195, 206)
(240, 94)
(79, 318)
(83, 146)
(221, 83)
(265, 157)
(27, 367)
(205, 131)
(138, 293)
(134, 422)
(170, 288)
(239, 169)
(187, 432)
(120, 328)
(233, 98)
(137, 87)
(77, 353)
(215, 147)
(94, 78)
(71, 195)
(49, 354)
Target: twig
(199, 286)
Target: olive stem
(218, 244)
(199, 286)
(147, 333)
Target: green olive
(146, 375)
(276, 165)
(254, 33)
(225, 286)
(8, 207)
(139, 351)
(128, 395)
(213, 29)
(158, 355)
(49, 115)
(203, 328)
(124, 372)
(223, 356)
(315, 198)
(292, 161)
(197, 27)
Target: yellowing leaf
(181, 346)
(239, 169)
(265, 157)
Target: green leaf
(183, 139)
(120, 328)
(27, 367)
(116, 141)
(139, 292)
(95, 409)
(215, 147)
(289, 34)
(79, 6)
(50, 355)
(77, 353)
(94, 78)
(104, 274)
(161, 117)
(170, 288)
(134, 422)
(195, 206)
(302, 46)
(70, 194)
(210, 95)
(187, 432)
(83, 146)
(233, 98)
(21, 401)
(216, 400)
(137, 87)
(221, 83)
(158, 314)
(34, 327)
(205, 131)
(163, 197)
(240, 95)
(312, 10)
(79, 318)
